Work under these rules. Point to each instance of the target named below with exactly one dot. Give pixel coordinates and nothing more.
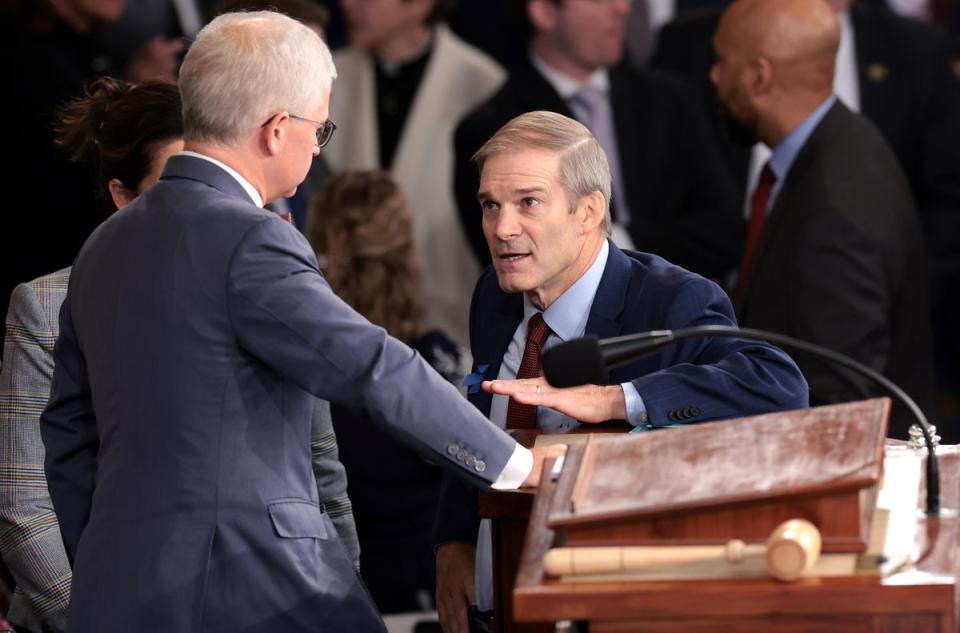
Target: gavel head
(792, 549)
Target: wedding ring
(539, 391)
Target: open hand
(587, 403)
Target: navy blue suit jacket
(695, 380)
(196, 332)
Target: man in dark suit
(833, 252)
(544, 191)
(901, 76)
(196, 332)
(670, 196)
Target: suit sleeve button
(452, 450)
(480, 466)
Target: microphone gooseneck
(585, 361)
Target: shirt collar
(565, 86)
(786, 150)
(251, 191)
(567, 316)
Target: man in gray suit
(196, 332)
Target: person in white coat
(404, 83)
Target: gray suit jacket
(195, 330)
(30, 540)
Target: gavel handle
(564, 561)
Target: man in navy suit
(545, 191)
(196, 331)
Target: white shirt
(251, 191)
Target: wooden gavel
(792, 548)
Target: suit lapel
(500, 321)
(604, 318)
(808, 153)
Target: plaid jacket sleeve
(30, 540)
(332, 479)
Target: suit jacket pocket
(297, 519)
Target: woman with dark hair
(361, 228)
(127, 133)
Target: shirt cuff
(636, 409)
(516, 471)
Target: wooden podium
(851, 438)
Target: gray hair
(244, 68)
(583, 165)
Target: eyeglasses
(324, 130)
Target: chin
(510, 285)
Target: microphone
(585, 361)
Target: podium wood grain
(727, 479)
(923, 599)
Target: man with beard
(833, 253)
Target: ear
(543, 15)
(591, 211)
(761, 80)
(119, 193)
(274, 134)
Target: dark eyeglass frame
(324, 131)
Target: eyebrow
(524, 191)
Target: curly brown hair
(360, 227)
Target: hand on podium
(586, 403)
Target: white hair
(244, 68)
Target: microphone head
(574, 363)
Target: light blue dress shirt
(567, 318)
(786, 151)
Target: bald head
(798, 37)
(774, 65)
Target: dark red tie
(758, 214)
(286, 217)
(524, 416)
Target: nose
(713, 73)
(508, 225)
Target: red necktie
(286, 217)
(758, 214)
(524, 416)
